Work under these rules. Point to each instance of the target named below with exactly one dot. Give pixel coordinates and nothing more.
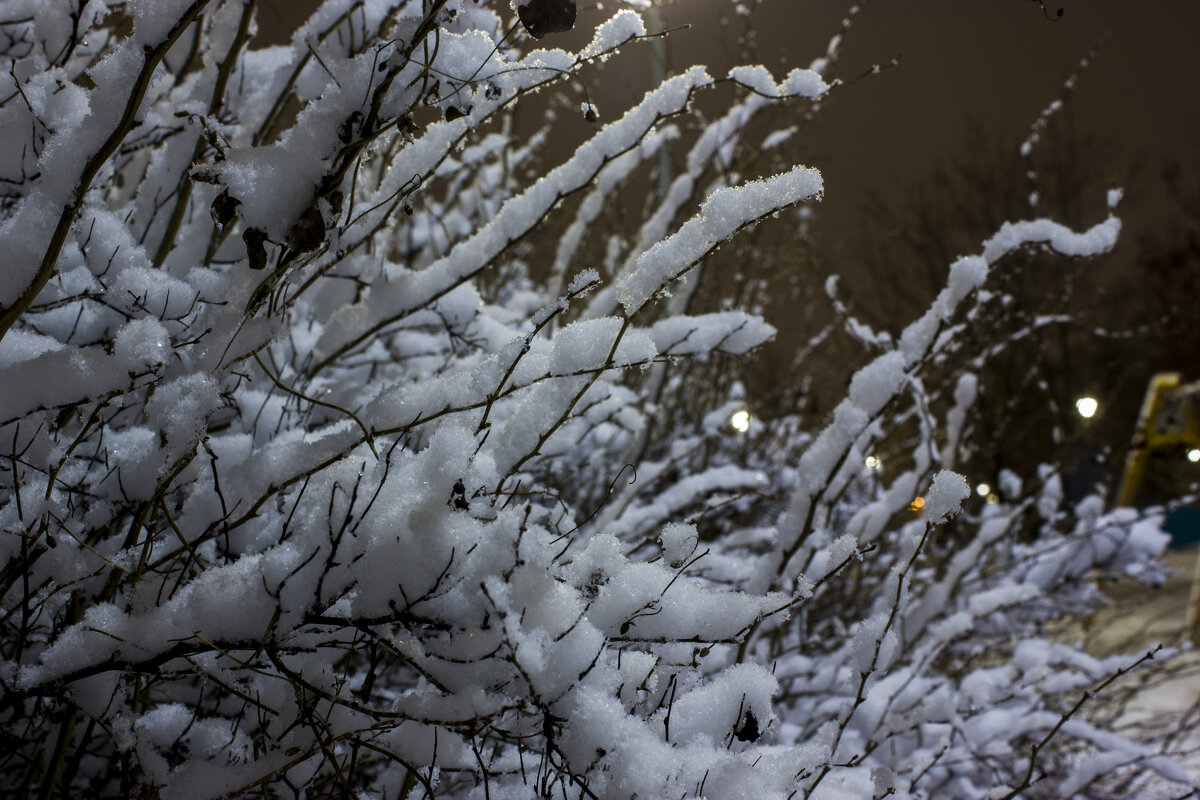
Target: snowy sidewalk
(1167, 698)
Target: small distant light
(983, 490)
(993, 498)
(1193, 455)
(917, 505)
(1086, 406)
(740, 421)
(872, 462)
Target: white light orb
(1087, 406)
(740, 421)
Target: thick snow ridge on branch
(722, 215)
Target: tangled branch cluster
(320, 479)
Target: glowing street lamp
(740, 421)
(1193, 455)
(1087, 407)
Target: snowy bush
(323, 475)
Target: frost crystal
(945, 496)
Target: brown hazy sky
(995, 61)
(998, 62)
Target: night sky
(997, 63)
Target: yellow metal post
(1148, 435)
(1144, 435)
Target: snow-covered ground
(1161, 698)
